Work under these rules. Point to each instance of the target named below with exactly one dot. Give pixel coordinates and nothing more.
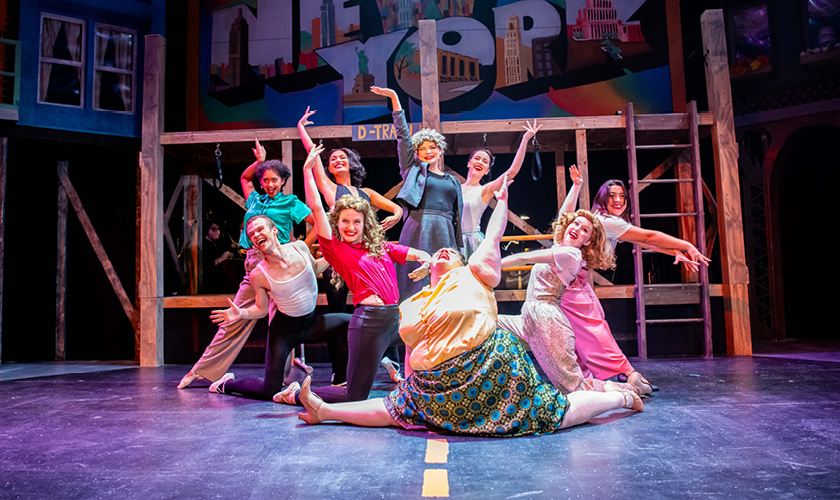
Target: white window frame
(74, 64)
(108, 69)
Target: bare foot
(311, 402)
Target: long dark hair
(601, 201)
(357, 170)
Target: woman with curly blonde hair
(579, 239)
(352, 241)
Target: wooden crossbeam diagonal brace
(227, 191)
(658, 171)
(73, 196)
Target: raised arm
(256, 311)
(247, 177)
(325, 185)
(485, 262)
(572, 198)
(404, 152)
(494, 185)
(321, 222)
(379, 201)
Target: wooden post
(61, 272)
(429, 82)
(286, 157)
(193, 67)
(4, 144)
(735, 274)
(137, 236)
(151, 204)
(560, 170)
(675, 55)
(193, 235)
(583, 165)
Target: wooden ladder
(640, 289)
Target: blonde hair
(597, 253)
(373, 237)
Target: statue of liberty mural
(363, 62)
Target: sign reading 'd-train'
(381, 131)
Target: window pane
(113, 91)
(63, 84)
(61, 40)
(115, 49)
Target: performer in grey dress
(431, 196)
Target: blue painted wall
(143, 16)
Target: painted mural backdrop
(264, 61)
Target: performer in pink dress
(597, 351)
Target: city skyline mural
(264, 61)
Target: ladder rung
(674, 320)
(664, 181)
(670, 285)
(663, 146)
(675, 214)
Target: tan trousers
(229, 339)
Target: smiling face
(617, 201)
(443, 261)
(479, 164)
(429, 152)
(271, 183)
(262, 234)
(351, 226)
(578, 233)
(339, 161)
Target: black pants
(372, 329)
(337, 303)
(284, 334)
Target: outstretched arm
(246, 180)
(325, 185)
(256, 311)
(494, 185)
(390, 94)
(544, 256)
(321, 223)
(664, 243)
(485, 262)
(572, 198)
(384, 203)
(405, 154)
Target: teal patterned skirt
(492, 390)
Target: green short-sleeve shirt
(284, 209)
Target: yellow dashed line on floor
(436, 481)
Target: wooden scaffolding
(580, 134)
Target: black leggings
(337, 303)
(372, 329)
(284, 334)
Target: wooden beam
(4, 145)
(685, 204)
(652, 122)
(61, 271)
(657, 172)
(429, 82)
(583, 165)
(137, 236)
(734, 266)
(192, 224)
(110, 272)
(675, 55)
(193, 68)
(286, 157)
(230, 193)
(151, 204)
(560, 173)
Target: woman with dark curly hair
(285, 211)
(432, 197)
(353, 242)
(466, 375)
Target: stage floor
(743, 427)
